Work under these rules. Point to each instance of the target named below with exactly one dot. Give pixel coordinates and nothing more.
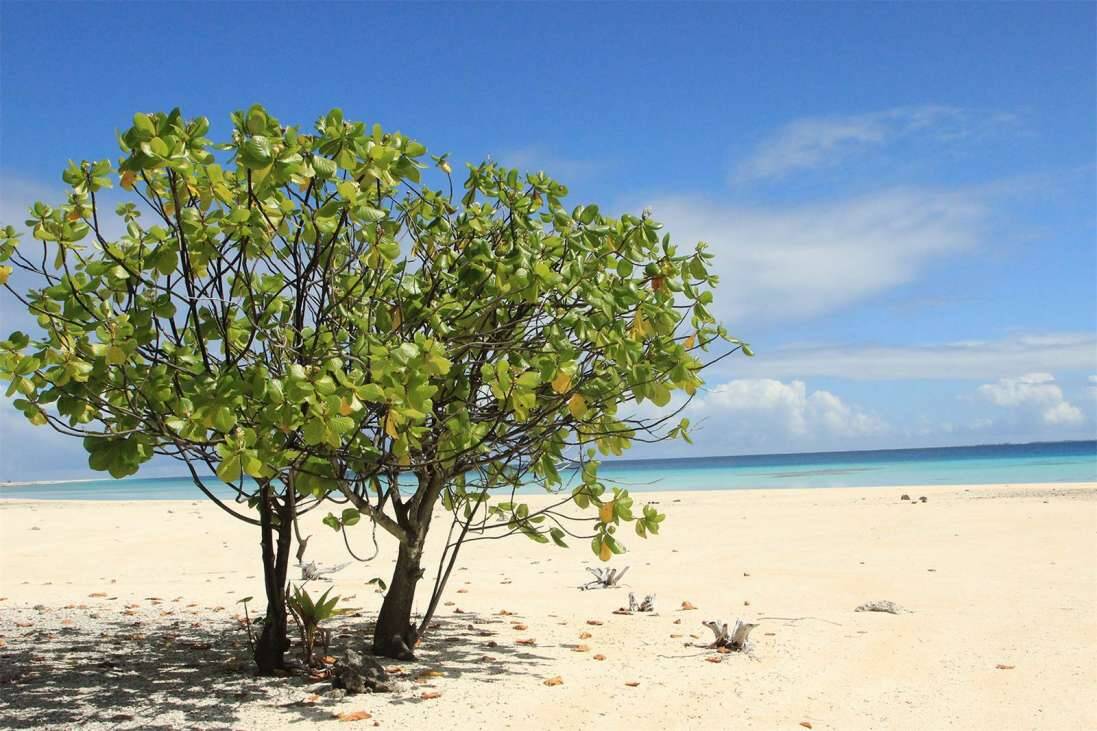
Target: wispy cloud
(816, 142)
(803, 261)
(968, 360)
(559, 167)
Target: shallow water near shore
(1047, 462)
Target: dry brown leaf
(621, 610)
(632, 683)
(806, 724)
(504, 613)
(430, 695)
(678, 621)
(97, 594)
(594, 622)
(429, 674)
(714, 658)
(585, 635)
(599, 657)
(447, 604)
(528, 643)
(674, 636)
(354, 716)
(462, 591)
(327, 660)
(581, 648)
(394, 670)
(688, 605)
(1004, 667)
(519, 626)
(557, 680)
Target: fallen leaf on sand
(24, 624)
(528, 643)
(447, 604)
(632, 683)
(621, 610)
(554, 681)
(327, 660)
(1004, 667)
(504, 613)
(311, 698)
(462, 591)
(353, 716)
(2, 643)
(430, 695)
(429, 674)
(66, 621)
(97, 594)
(580, 648)
(714, 658)
(519, 626)
(687, 605)
(674, 636)
(599, 657)
(394, 670)
(806, 724)
(678, 621)
(585, 635)
(594, 622)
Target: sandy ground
(123, 615)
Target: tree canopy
(305, 310)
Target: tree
(305, 318)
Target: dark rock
(905, 497)
(923, 499)
(359, 673)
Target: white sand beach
(122, 615)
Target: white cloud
(815, 142)
(808, 260)
(1037, 393)
(974, 360)
(770, 414)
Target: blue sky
(901, 197)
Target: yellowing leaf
(554, 681)
(115, 355)
(128, 179)
(5, 272)
(605, 513)
(577, 405)
(390, 424)
(561, 383)
(689, 342)
(354, 716)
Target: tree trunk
(273, 642)
(395, 635)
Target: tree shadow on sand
(155, 674)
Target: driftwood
(311, 571)
(605, 578)
(887, 607)
(735, 640)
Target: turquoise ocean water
(1011, 463)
